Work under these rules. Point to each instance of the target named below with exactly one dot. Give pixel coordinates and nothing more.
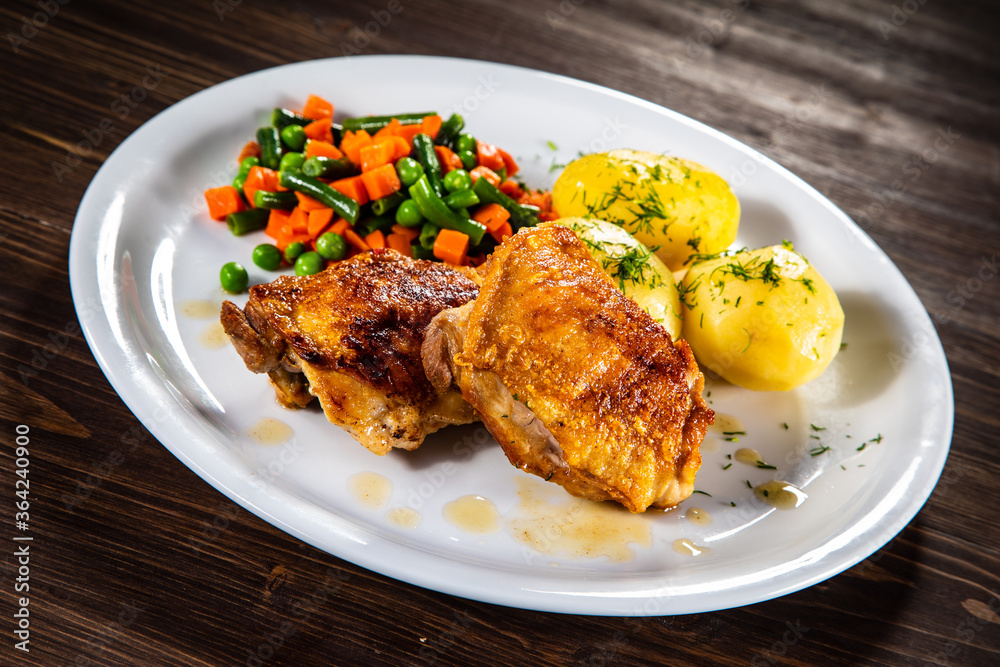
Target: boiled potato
(639, 274)
(762, 319)
(675, 206)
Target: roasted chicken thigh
(576, 382)
(351, 337)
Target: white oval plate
(143, 245)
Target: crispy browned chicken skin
(576, 382)
(351, 336)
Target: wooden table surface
(889, 109)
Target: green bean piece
(291, 161)
(267, 256)
(247, 221)
(271, 200)
(293, 250)
(436, 210)
(408, 170)
(423, 149)
(294, 137)
(308, 263)
(320, 166)
(428, 234)
(408, 214)
(457, 180)
(377, 223)
(341, 204)
(520, 216)
(448, 133)
(372, 124)
(388, 203)
(270, 147)
(466, 142)
(469, 159)
(233, 277)
(331, 246)
(282, 118)
(241, 175)
(461, 199)
(419, 252)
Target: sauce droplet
(473, 514)
(751, 457)
(689, 548)
(726, 424)
(198, 309)
(370, 489)
(270, 431)
(214, 336)
(404, 517)
(579, 528)
(782, 495)
(698, 516)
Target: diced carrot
(318, 221)
(401, 147)
(389, 130)
(502, 232)
(431, 125)
(275, 222)
(540, 198)
(508, 162)
(400, 243)
(381, 181)
(307, 203)
(451, 246)
(260, 178)
(376, 239)
(492, 216)
(317, 108)
(353, 187)
(377, 154)
(355, 240)
(548, 216)
(340, 226)
(251, 149)
(409, 233)
(489, 156)
(511, 189)
(353, 142)
(322, 149)
(320, 130)
(448, 159)
(223, 201)
(409, 131)
(298, 221)
(485, 172)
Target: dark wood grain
(121, 571)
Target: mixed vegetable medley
(412, 182)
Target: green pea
(308, 263)
(457, 180)
(408, 214)
(408, 170)
(241, 176)
(294, 137)
(291, 160)
(331, 246)
(267, 256)
(466, 142)
(469, 159)
(233, 277)
(293, 250)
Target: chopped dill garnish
(727, 466)
(702, 493)
(784, 425)
(732, 438)
(632, 265)
(766, 466)
(732, 504)
(551, 145)
(734, 433)
(749, 485)
(817, 428)
(816, 451)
